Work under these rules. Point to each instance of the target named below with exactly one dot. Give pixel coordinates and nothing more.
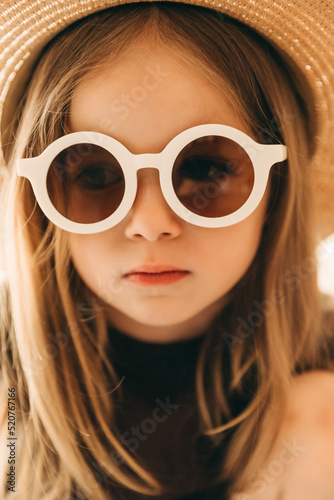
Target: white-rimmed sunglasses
(210, 175)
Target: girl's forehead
(145, 101)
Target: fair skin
(174, 99)
(301, 464)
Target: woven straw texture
(303, 29)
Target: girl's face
(143, 102)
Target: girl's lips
(153, 275)
(164, 278)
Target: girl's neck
(165, 333)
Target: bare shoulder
(301, 466)
(309, 426)
(311, 400)
(309, 414)
(308, 430)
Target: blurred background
(326, 265)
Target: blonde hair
(56, 359)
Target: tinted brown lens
(85, 183)
(213, 176)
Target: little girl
(162, 333)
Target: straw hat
(301, 29)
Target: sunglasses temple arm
(280, 152)
(24, 167)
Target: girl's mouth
(155, 275)
(164, 278)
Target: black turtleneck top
(158, 417)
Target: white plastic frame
(263, 156)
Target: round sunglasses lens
(85, 183)
(213, 176)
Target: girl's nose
(150, 216)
